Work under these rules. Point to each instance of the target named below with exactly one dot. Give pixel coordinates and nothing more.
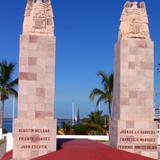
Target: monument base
(138, 137)
(34, 138)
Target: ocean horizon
(7, 123)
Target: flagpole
(73, 112)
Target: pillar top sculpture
(134, 21)
(38, 19)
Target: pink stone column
(132, 126)
(35, 128)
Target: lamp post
(13, 114)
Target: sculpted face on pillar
(38, 19)
(134, 21)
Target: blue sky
(86, 32)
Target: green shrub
(80, 129)
(5, 131)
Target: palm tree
(95, 123)
(7, 84)
(66, 128)
(106, 94)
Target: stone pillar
(132, 126)
(35, 128)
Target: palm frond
(100, 99)
(106, 94)
(12, 91)
(95, 92)
(3, 94)
(13, 83)
(6, 83)
(6, 72)
(97, 129)
(104, 77)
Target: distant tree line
(95, 123)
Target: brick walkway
(85, 150)
(89, 150)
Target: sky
(86, 31)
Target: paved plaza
(87, 150)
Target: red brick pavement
(86, 150)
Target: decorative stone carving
(127, 4)
(134, 21)
(38, 18)
(142, 5)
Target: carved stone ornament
(134, 21)
(38, 18)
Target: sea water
(7, 124)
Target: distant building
(77, 119)
(78, 116)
